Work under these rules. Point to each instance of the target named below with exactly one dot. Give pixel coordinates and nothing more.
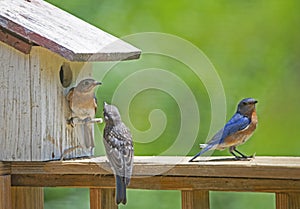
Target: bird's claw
(245, 157)
(70, 121)
(86, 120)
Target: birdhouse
(44, 52)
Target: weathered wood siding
(33, 109)
(15, 109)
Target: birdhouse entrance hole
(65, 75)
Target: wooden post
(5, 192)
(27, 198)
(290, 200)
(102, 198)
(194, 199)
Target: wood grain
(264, 174)
(289, 200)
(15, 124)
(40, 23)
(5, 192)
(33, 107)
(160, 182)
(27, 198)
(260, 167)
(278, 175)
(51, 135)
(4, 168)
(194, 199)
(17, 43)
(102, 198)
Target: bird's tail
(202, 146)
(85, 135)
(120, 190)
(205, 148)
(88, 136)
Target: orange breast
(83, 101)
(242, 136)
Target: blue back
(236, 123)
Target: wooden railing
(23, 182)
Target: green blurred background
(255, 48)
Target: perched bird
(83, 104)
(236, 131)
(119, 149)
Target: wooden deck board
(260, 167)
(262, 174)
(280, 175)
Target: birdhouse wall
(33, 108)
(15, 109)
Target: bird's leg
(75, 120)
(244, 156)
(241, 157)
(192, 160)
(86, 120)
(231, 149)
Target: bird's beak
(255, 101)
(97, 83)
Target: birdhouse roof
(24, 24)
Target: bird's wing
(236, 123)
(119, 150)
(70, 94)
(215, 140)
(95, 103)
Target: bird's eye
(245, 103)
(86, 83)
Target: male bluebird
(83, 104)
(119, 149)
(236, 131)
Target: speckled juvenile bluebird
(236, 131)
(119, 150)
(83, 104)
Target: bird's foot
(86, 120)
(192, 159)
(241, 156)
(70, 121)
(244, 157)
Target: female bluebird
(119, 150)
(83, 104)
(236, 131)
